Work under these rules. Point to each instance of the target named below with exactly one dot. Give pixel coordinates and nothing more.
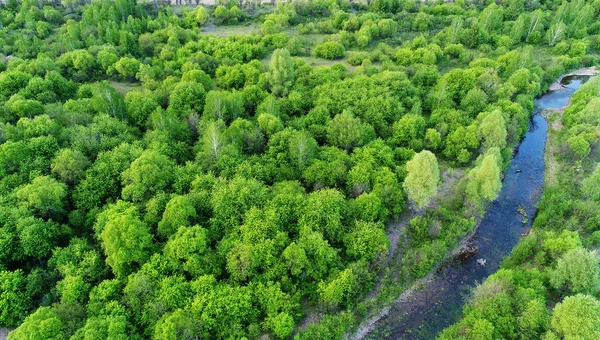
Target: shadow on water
(439, 304)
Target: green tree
(324, 212)
(579, 145)
(187, 249)
(73, 289)
(578, 271)
(127, 67)
(344, 130)
(44, 194)
(126, 240)
(45, 323)
(483, 181)
(282, 72)
(14, 299)
(535, 319)
(187, 96)
(591, 185)
(107, 100)
(366, 241)
(423, 175)
(409, 131)
(179, 213)
(577, 317)
(38, 237)
(493, 130)
(70, 165)
(330, 50)
(474, 102)
(140, 106)
(150, 173)
(303, 149)
(340, 290)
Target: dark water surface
(438, 305)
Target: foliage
(163, 176)
(330, 50)
(422, 178)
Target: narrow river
(439, 304)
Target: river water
(439, 304)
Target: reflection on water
(558, 99)
(425, 313)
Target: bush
(330, 50)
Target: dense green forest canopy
(194, 172)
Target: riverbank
(566, 234)
(425, 289)
(587, 71)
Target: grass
(123, 87)
(225, 31)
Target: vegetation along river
(439, 303)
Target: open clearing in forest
(124, 87)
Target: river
(426, 312)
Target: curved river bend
(439, 304)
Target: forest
(233, 171)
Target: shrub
(330, 50)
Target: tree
(38, 237)
(150, 173)
(187, 249)
(127, 67)
(534, 319)
(199, 76)
(578, 271)
(232, 199)
(423, 175)
(201, 15)
(140, 106)
(213, 141)
(223, 105)
(187, 96)
(483, 181)
(73, 289)
(302, 149)
(14, 300)
(344, 130)
(110, 326)
(126, 240)
(579, 145)
(409, 131)
(366, 241)
(556, 33)
(493, 130)
(474, 101)
(341, 290)
(179, 212)
(43, 324)
(282, 72)
(591, 185)
(107, 100)
(70, 165)
(330, 50)
(45, 195)
(577, 317)
(324, 213)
